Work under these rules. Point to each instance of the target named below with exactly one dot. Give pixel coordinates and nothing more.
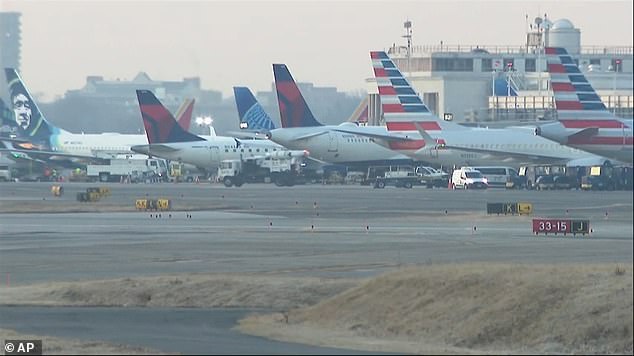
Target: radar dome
(562, 24)
(564, 34)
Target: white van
(468, 178)
(497, 176)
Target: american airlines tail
(184, 114)
(584, 121)
(294, 111)
(160, 125)
(29, 119)
(402, 107)
(250, 111)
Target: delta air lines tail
(294, 111)
(160, 125)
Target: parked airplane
(301, 130)
(168, 140)
(416, 132)
(584, 122)
(40, 139)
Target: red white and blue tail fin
(401, 105)
(574, 96)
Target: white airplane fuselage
(208, 153)
(614, 143)
(514, 146)
(104, 145)
(328, 145)
(474, 146)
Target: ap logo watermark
(23, 347)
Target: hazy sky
(230, 43)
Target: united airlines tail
(160, 125)
(28, 118)
(294, 111)
(401, 105)
(250, 111)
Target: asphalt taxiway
(311, 230)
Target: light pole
(205, 121)
(616, 69)
(408, 34)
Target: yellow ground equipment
(57, 190)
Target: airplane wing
(585, 133)
(309, 135)
(51, 155)
(387, 137)
(156, 148)
(246, 134)
(530, 156)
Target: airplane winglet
(585, 133)
(424, 133)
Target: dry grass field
(490, 308)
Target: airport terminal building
(476, 83)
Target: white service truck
(280, 167)
(134, 169)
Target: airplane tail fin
(27, 116)
(574, 96)
(360, 114)
(160, 125)
(184, 114)
(400, 103)
(576, 101)
(294, 111)
(250, 111)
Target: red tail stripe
(556, 68)
(602, 124)
(379, 72)
(393, 108)
(602, 140)
(387, 91)
(409, 126)
(568, 105)
(563, 87)
(407, 145)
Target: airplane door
(333, 142)
(214, 155)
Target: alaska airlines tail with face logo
(28, 118)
